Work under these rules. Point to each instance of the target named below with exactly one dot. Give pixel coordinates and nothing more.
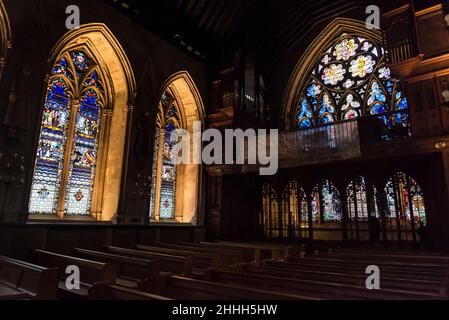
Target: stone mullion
(67, 159)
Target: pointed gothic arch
(89, 97)
(344, 75)
(175, 194)
(5, 37)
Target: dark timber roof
(207, 28)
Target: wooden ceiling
(207, 28)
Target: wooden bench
(169, 263)
(226, 257)
(419, 268)
(247, 254)
(134, 273)
(377, 256)
(342, 277)
(9, 293)
(390, 251)
(200, 260)
(351, 269)
(32, 281)
(94, 276)
(269, 251)
(316, 289)
(181, 288)
(116, 292)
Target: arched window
(163, 193)
(326, 204)
(270, 211)
(68, 142)
(304, 214)
(5, 36)
(357, 209)
(348, 80)
(405, 207)
(175, 192)
(290, 209)
(73, 165)
(357, 204)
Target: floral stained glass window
(65, 167)
(350, 80)
(163, 193)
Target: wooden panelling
(17, 240)
(432, 31)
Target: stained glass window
(285, 216)
(163, 193)
(64, 171)
(405, 205)
(357, 224)
(326, 204)
(270, 211)
(290, 213)
(357, 203)
(350, 80)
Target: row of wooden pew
(223, 271)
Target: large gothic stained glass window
(349, 80)
(163, 193)
(65, 167)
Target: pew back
(133, 272)
(169, 263)
(39, 283)
(94, 275)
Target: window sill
(38, 218)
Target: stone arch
(189, 176)
(5, 36)
(120, 93)
(304, 66)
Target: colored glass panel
(351, 76)
(56, 131)
(164, 167)
(51, 149)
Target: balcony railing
(337, 141)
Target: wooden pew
(316, 289)
(388, 256)
(94, 276)
(8, 293)
(33, 281)
(421, 268)
(226, 257)
(133, 273)
(116, 292)
(351, 269)
(247, 254)
(170, 263)
(200, 260)
(181, 288)
(340, 276)
(405, 251)
(268, 251)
